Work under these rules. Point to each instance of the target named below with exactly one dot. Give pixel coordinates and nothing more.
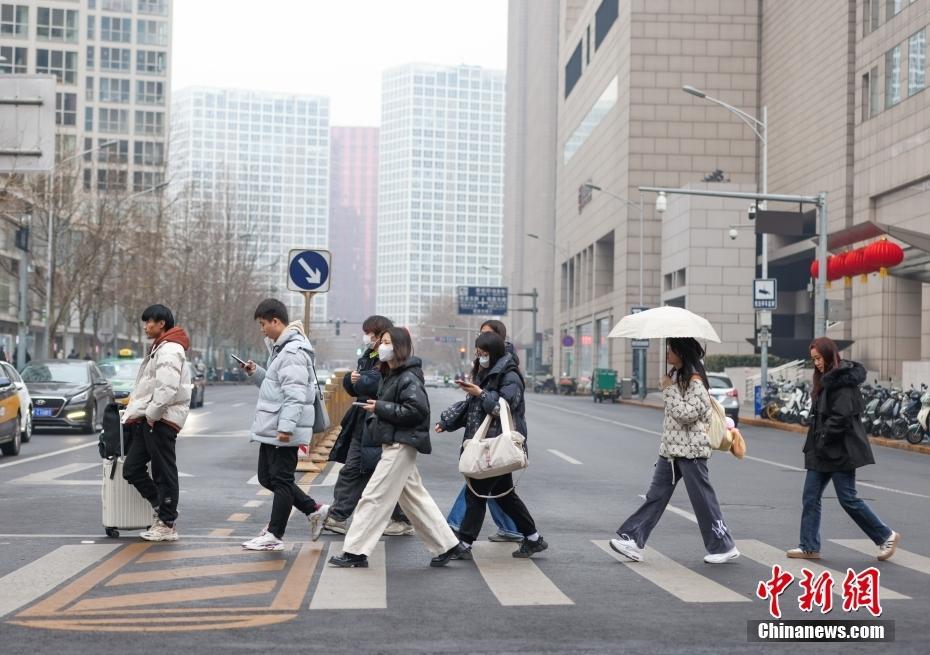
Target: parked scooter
(920, 429)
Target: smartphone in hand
(241, 361)
(357, 404)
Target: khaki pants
(397, 480)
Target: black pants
(276, 466)
(510, 503)
(350, 484)
(154, 445)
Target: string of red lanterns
(876, 257)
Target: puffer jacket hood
(174, 335)
(847, 374)
(287, 389)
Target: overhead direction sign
(482, 301)
(764, 293)
(308, 270)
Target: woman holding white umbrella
(685, 448)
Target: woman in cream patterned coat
(683, 454)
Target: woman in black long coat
(837, 444)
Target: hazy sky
(334, 48)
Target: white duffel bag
(487, 458)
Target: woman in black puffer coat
(495, 376)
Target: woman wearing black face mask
(495, 375)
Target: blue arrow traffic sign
(308, 270)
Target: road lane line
(51, 476)
(680, 581)
(26, 460)
(352, 589)
(40, 576)
(213, 592)
(239, 517)
(191, 572)
(221, 532)
(57, 601)
(629, 426)
(331, 475)
(254, 503)
(560, 454)
(902, 557)
(515, 582)
(680, 512)
(769, 556)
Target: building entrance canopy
(916, 264)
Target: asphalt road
(66, 588)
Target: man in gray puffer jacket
(283, 421)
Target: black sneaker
(465, 554)
(456, 552)
(529, 548)
(349, 561)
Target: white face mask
(484, 362)
(386, 352)
(367, 340)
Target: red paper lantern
(836, 266)
(815, 269)
(857, 264)
(883, 254)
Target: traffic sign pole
(308, 301)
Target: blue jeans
(844, 482)
(504, 523)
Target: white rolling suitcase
(123, 507)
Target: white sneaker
(399, 529)
(265, 541)
(628, 548)
(317, 519)
(720, 558)
(160, 532)
(888, 548)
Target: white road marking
(331, 475)
(678, 580)
(254, 503)
(674, 510)
(351, 589)
(515, 582)
(237, 404)
(26, 460)
(37, 578)
(628, 426)
(253, 480)
(560, 454)
(901, 557)
(213, 435)
(51, 476)
(768, 556)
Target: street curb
(800, 429)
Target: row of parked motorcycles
(889, 412)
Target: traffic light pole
(535, 311)
(22, 243)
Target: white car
(25, 400)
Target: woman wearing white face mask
(400, 422)
(495, 375)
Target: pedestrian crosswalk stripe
(191, 572)
(176, 596)
(515, 581)
(331, 475)
(352, 589)
(678, 580)
(901, 557)
(169, 555)
(52, 476)
(769, 556)
(24, 585)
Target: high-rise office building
(263, 160)
(353, 221)
(440, 186)
(112, 59)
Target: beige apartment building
(842, 81)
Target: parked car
(11, 418)
(67, 393)
(121, 372)
(723, 391)
(198, 386)
(25, 400)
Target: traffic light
(338, 324)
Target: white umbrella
(664, 323)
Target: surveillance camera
(752, 212)
(661, 202)
(733, 233)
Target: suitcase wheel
(112, 533)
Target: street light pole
(760, 129)
(564, 253)
(49, 259)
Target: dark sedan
(67, 394)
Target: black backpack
(111, 436)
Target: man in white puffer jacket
(283, 421)
(157, 410)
